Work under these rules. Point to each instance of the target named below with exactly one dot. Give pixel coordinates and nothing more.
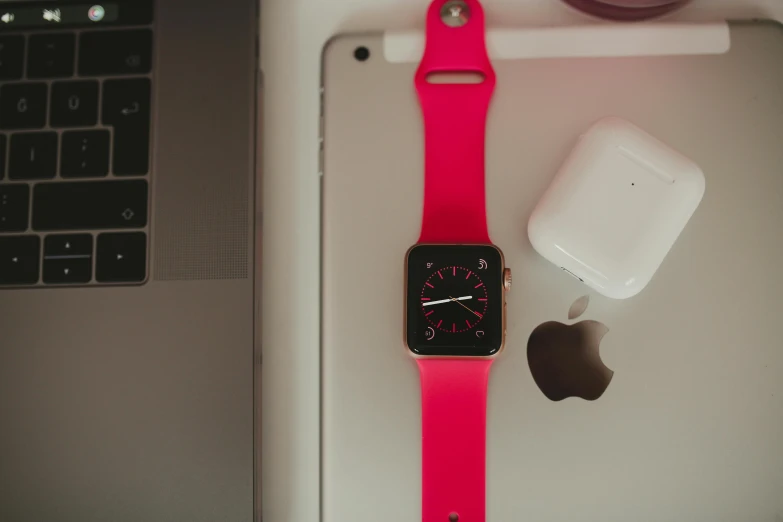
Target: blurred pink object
(627, 9)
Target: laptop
(127, 248)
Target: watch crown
(507, 279)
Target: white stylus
(448, 300)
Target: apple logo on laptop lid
(565, 360)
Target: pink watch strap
(454, 411)
(455, 118)
(454, 391)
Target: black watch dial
(455, 300)
(449, 286)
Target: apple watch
(455, 277)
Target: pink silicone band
(454, 412)
(454, 391)
(455, 118)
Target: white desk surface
(293, 34)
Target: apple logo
(565, 360)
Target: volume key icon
(52, 15)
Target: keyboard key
(115, 52)
(131, 151)
(121, 258)
(74, 104)
(11, 57)
(126, 106)
(19, 256)
(51, 55)
(14, 207)
(67, 259)
(126, 102)
(64, 245)
(3, 141)
(33, 155)
(90, 205)
(23, 105)
(85, 154)
(67, 271)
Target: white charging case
(616, 208)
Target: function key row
(53, 55)
(68, 259)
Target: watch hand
(465, 307)
(447, 300)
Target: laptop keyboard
(75, 110)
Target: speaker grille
(203, 234)
(203, 160)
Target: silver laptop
(127, 234)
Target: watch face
(455, 300)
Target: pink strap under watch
(454, 389)
(455, 117)
(454, 413)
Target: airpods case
(616, 207)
